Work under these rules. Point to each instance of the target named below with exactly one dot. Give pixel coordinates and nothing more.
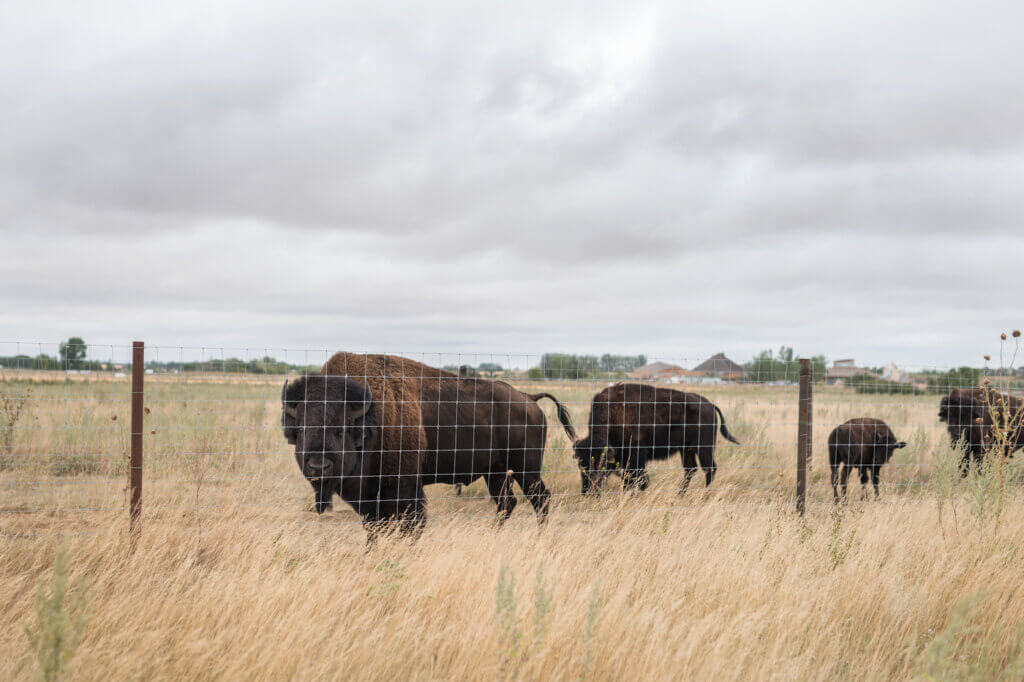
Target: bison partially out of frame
(866, 444)
(974, 419)
(631, 424)
(374, 429)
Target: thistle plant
(1005, 416)
(12, 407)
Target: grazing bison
(633, 423)
(865, 444)
(973, 418)
(375, 429)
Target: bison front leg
(634, 473)
(965, 463)
(401, 508)
(875, 471)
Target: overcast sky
(672, 179)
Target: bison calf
(865, 444)
(633, 423)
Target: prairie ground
(233, 577)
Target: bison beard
(633, 423)
(437, 427)
(865, 444)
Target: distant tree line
(70, 355)
(264, 365)
(871, 384)
(621, 363)
(961, 377)
(769, 366)
(569, 366)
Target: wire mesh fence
(410, 436)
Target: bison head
(885, 443)
(331, 422)
(944, 409)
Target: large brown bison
(376, 428)
(866, 444)
(974, 418)
(631, 424)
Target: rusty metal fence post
(803, 436)
(135, 457)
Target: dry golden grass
(730, 583)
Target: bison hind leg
(500, 487)
(537, 493)
(706, 455)
(689, 457)
(844, 476)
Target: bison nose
(318, 466)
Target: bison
(374, 429)
(631, 424)
(865, 444)
(974, 417)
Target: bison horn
(288, 409)
(361, 410)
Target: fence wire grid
(403, 434)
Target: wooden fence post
(135, 458)
(803, 436)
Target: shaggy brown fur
(973, 421)
(632, 423)
(438, 427)
(866, 444)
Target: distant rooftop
(719, 364)
(653, 370)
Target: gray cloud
(635, 178)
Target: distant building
(722, 367)
(658, 371)
(842, 371)
(894, 373)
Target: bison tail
(722, 427)
(563, 414)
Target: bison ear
(291, 394)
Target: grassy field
(232, 576)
